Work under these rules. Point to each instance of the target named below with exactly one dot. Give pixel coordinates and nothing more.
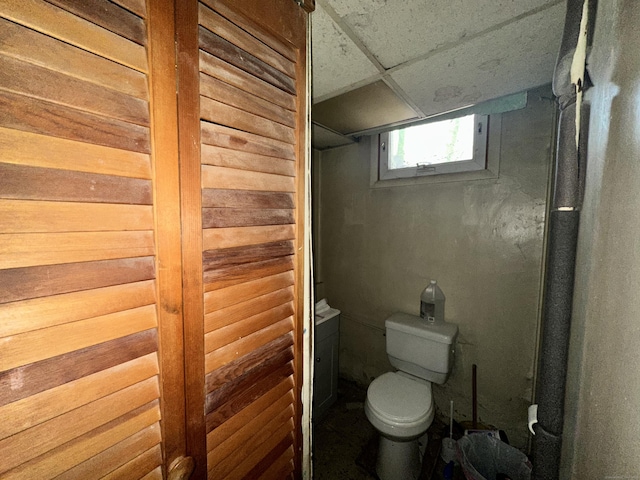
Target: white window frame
(478, 163)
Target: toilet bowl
(399, 404)
(401, 409)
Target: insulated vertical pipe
(557, 306)
(562, 242)
(547, 443)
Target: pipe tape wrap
(533, 417)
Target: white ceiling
(436, 55)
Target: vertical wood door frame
(306, 358)
(166, 194)
(191, 203)
(302, 282)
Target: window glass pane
(432, 143)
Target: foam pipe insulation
(569, 82)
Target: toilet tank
(419, 348)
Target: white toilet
(399, 404)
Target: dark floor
(345, 443)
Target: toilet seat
(399, 406)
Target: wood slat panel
(282, 410)
(270, 458)
(107, 15)
(255, 391)
(115, 456)
(223, 157)
(229, 276)
(35, 282)
(135, 6)
(279, 469)
(35, 441)
(223, 114)
(154, 475)
(256, 30)
(38, 116)
(226, 297)
(26, 148)
(244, 346)
(35, 183)
(254, 451)
(215, 238)
(225, 137)
(213, 259)
(220, 454)
(28, 216)
(234, 179)
(225, 430)
(243, 356)
(36, 409)
(86, 446)
(236, 331)
(45, 343)
(40, 376)
(279, 412)
(64, 90)
(58, 23)
(139, 466)
(224, 50)
(30, 249)
(246, 199)
(240, 311)
(214, 67)
(39, 49)
(215, 89)
(240, 38)
(20, 317)
(238, 217)
(234, 390)
(281, 348)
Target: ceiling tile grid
(397, 31)
(437, 55)
(516, 57)
(337, 61)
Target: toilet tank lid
(414, 325)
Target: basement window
(440, 147)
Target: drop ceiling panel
(321, 138)
(361, 109)
(396, 31)
(516, 57)
(337, 61)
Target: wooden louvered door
(90, 278)
(244, 66)
(151, 244)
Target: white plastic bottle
(432, 303)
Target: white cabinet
(325, 380)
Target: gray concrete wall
(602, 423)
(482, 240)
